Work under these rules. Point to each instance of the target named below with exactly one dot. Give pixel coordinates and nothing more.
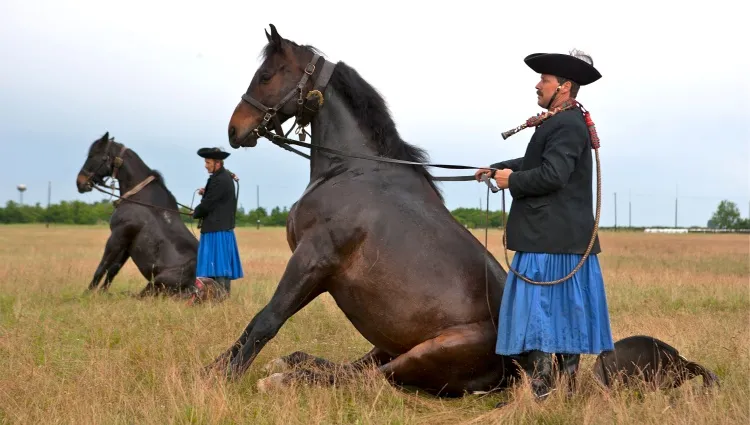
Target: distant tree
(727, 216)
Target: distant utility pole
(676, 195)
(630, 210)
(615, 210)
(49, 197)
(257, 208)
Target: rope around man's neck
(533, 122)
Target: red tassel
(592, 130)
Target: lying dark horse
(377, 237)
(149, 231)
(641, 359)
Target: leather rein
(309, 105)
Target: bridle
(114, 163)
(307, 105)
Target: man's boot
(222, 288)
(539, 370)
(567, 366)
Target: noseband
(307, 106)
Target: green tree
(727, 216)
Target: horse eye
(265, 78)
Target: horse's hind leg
(300, 359)
(459, 360)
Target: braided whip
(533, 122)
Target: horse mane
(159, 178)
(372, 113)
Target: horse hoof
(274, 366)
(271, 383)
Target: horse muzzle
(248, 141)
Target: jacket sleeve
(512, 164)
(564, 145)
(213, 194)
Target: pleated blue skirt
(218, 256)
(568, 318)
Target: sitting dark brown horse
(145, 226)
(639, 360)
(376, 236)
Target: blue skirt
(218, 256)
(570, 317)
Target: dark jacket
(217, 208)
(553, 201)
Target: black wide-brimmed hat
(562, 65)
(212, 153)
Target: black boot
(539, 370)
(223, 287)
(567, 366)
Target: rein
(308, 106)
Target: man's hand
(201, 191)
(478, 174)
(234, 176)
(502, 178)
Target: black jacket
(218, 206)
(553, 201)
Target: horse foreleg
(113, 251)
(115, 268)
(300, 284)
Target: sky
(164, 77)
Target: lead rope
(595, 146)
(486, 258)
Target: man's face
(210, 165)
(545, 89)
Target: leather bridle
(304, 113)
(113, 162)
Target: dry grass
(110, 359)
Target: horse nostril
(231, 133)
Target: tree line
(78, 212)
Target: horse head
(277, 90)
(103, 160)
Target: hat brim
(562, 65)
(212, 153)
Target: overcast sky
(164, 77)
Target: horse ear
(268, 36)
(275, 37)
(106, 136)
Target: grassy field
(111, 359)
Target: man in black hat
(550, 226)
(218, 255)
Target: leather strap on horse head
(533, 122)
(308, 104)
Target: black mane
(372, 113)
(160, 179)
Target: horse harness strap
(134, 190)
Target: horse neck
(132, 172)
(335, 127)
